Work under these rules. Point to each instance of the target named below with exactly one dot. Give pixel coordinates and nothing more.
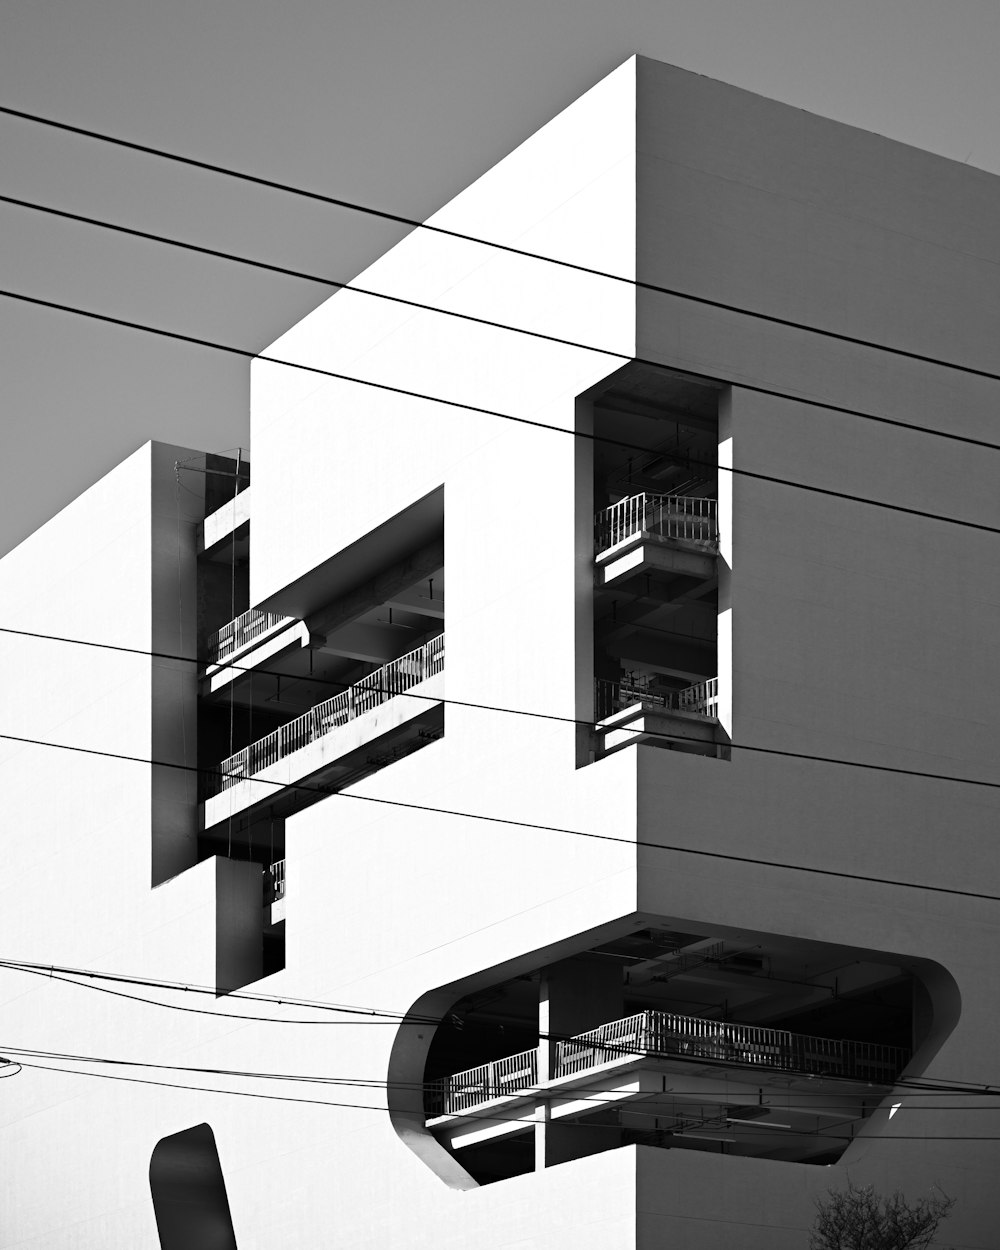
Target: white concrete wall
(77, 849)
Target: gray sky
(396, 103)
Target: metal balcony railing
(498, 1079)
(274, 882)
(661, 516)
(615, 696)
(379, 687)
(239, 633)
(661, 1034)
(658, 1033)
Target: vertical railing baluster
(392, 679)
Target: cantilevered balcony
(248, 641)
(672, 1065)
(614, 697)
(629, 711)
(384, 715)
(676, 535)
(249, 628)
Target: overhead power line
(249, 354)
(352, 287)
(588, 1094)
(494, 707)
(494, 245)
(584, 1091)
(512, 822)
(373, 1017)
(906, 1087)
(492, 1115)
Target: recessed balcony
(676, 535)
(630, 711)
(383, 716)
(679, 1072)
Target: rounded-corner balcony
(685, 1075)
(576, 1050)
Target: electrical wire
(492, 244)
(52, 975)
(582, 1092)
(485, 707)
(338, 285)
(249, 354)
(51, 972)
(912, 1087)
(61, 972)
(529, 1121)
(513, 711)
(511, 822)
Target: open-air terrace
(662, 1034)
(676, 1081)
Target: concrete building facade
(635, 985)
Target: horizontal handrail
(239, 633)
(661, 1034)
(611, 1041)
(379, 687)
(686, 517)
(664, 1033)
(499, 1079)
(702, 698)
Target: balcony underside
(290, 635)
(659, 727)
(764, 1112)
(339, 758)
(648, 553)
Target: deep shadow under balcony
(248, 641)
(776, 1093)
(387, 714)
(627, 712)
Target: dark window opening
(656, 568)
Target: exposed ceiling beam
(672, 654)
(375, 643)
(393, 582)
